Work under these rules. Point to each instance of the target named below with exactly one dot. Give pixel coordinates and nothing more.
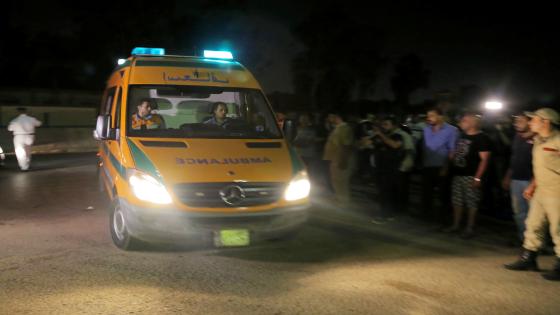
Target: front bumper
(169, 224)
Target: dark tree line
(343, 57)
(70, 45)
(75, 45)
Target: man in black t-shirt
(388, 152)
(468, 167)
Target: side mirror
(290, 129)
(103, 129)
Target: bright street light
(493, 105)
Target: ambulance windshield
(199, 112)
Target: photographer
(363, 160)
(389, 153)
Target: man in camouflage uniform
(544, 193)
(338, 150)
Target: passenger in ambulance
(144, 119)
(219, 115)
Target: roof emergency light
(493, 105)
(218, 54)
(148, 51)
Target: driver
(219, 112)
(143, 118)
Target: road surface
(56, 257)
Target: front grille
(208, 194)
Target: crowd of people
(462, 164)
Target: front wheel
(119, 228)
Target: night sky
(511, 50)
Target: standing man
(389, 153)
(439, 140)
(406, 167)
(338, 150)
(544, 192)
(364, 129)
(23, 128)
(520, 172)
(469, 165)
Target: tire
(119, 230)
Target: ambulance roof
(180, 62)
(185, 70)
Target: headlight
(298, 188)
(147, 188)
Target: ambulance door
(110, 147)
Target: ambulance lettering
(223, 161)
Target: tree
(471, 97)
(341, 56)
(76, 45)
(410, 76)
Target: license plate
(230, 238)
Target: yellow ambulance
(189, 149)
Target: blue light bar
(148, 51)
(218, 54)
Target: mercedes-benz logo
(232, 195)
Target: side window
(108, 101)
(117, 115)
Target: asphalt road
(56, 257)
